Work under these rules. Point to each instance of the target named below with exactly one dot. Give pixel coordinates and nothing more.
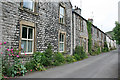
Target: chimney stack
(77, 10)
(90, 20)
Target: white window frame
(28, 40)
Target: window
(97, 33)
(62, 15)
(91, 30)
(81, 41)
(85, 44)
(29, 4)
(27, 41)
(81, 25)
(61, 42)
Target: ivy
(89, 25)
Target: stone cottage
(33, 25)
(80, 33)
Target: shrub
(48, 56)
(106, 49)
(79, 53)
(30, 65)
(58, 59)
(96, 50)
(77, 57)
(69, 59)
(39, 59)
(16, 68)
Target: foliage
(79, 53)
(48, 55)
(77, 57)
(95, 49)
(39, 59)
(89, 26)
(30, 65)
(70, 59)
(15, 68)
(116, 31)
(106, 49)
(58, 59)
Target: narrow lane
(104, 65)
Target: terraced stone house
(33, 25)
(80, 33)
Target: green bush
(77, 57)
(58, 59)
(12, 69)
(96, 49)
(30, 65)
(106, 49)
(39, 59)
(79, 53)
(48, 56)
(69, 59)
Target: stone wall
(80, 37)
(46, 20)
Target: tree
(116, 31)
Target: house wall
(80, 37)
(46, 20)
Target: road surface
(104, 65)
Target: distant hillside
(110, 33)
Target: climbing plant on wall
(89, 25)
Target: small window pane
(28, 4)
(29, 46)
(23, 45)
(61, 18)
(61, 10)
(62, 38)
(24, 32)
(62, 15)
(30, 33)
(61, 49)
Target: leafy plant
(58, 59)
(38, 60)
(69, 59)
(30, 65)
(116, 31)
(79, 53)
(14, 68)
(106, 49)
(48, 56)
(77, 57)
(96, 49)
(89, 26)
(19, 69)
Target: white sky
(105, 12)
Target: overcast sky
(104, 12)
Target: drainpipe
(74, 30)
(71, 36)
(0, 39)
